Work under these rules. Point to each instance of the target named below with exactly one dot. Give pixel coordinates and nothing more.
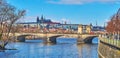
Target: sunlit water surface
(65, 48)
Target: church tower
(88, 28)
(38, 19)
(42, 18)
(80, 29)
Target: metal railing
(111, 39)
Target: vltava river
(63, 49)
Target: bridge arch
(22, 38)
(89, 39)
(53, 39)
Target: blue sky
(72, 11)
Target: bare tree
(114, 23)
(8, 16)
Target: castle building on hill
(40, 23)
(47, 25)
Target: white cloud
(55, 20)
(33, 19)
(107, 20)
(65, 2)
(63, 20)
(81, 1)
(28, 19)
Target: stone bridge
(51, 37)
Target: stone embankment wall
(108, 51)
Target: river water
(65, 48)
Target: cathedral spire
(42, 18)
(91, 24)
(96, 23)
(38, 19)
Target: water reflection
(88, 50)
(95, 40)
(36, 49)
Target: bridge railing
(111, 39)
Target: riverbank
(106, 50)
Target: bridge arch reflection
(95, 40)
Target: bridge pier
(21, 39)
(48, 40)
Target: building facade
(83, 29)
(46, 25)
